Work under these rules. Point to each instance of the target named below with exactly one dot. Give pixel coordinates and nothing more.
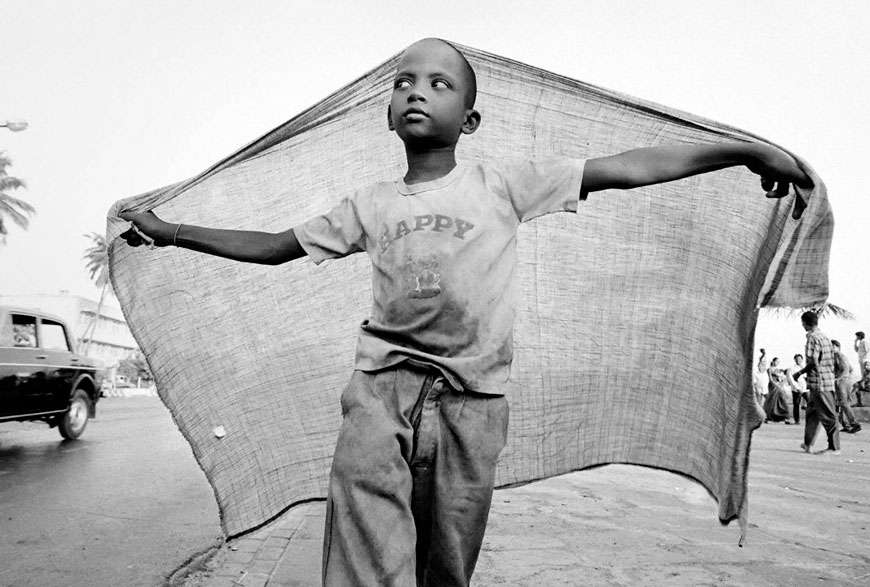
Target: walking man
(819, 369)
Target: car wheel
(74, 421)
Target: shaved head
(466, 72)
(469, 76)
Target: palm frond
(8, 183)
(10, 207)
(17, 210)
(826, 310)
(96, 259)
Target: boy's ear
(471, 122)
(390, 118)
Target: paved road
(123, 506)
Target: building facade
(110, 339)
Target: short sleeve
(814, 349)
(336, 234)
(536, 188)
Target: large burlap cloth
(635, 329)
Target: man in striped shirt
(819, 368)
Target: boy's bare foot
(805, 448)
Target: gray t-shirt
(443, 258)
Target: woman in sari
(776, 405)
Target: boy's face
(428, 107)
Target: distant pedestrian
(862, 385)
(761, 379)
(862, 347)
(819, 369)
(776, 404)
(798, 387)
(842, 386)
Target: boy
(424, 414)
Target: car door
(21, 371)
(59, 363)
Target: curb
(284, 553)
(200, 563)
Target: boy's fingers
(142, 236)
(799, 206)
(131, 237)
(781, 190)
(136, 238)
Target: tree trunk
(92, 327)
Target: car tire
(75, 420)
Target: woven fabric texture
(634, 338)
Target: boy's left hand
(778, 170)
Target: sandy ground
(622, 525)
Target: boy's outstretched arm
(651, 165)
(239, 245)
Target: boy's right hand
(147, 224)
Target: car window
(23, 331)
(53, 337)
(7, 334)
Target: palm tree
(834, 311)
(826, 310)
(96, 259)
(16, 210)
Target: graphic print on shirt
(454, 227)
(422, 278)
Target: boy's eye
(440, 83)
(402, 84)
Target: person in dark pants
(842, 379)
(819, 369)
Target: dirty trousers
(411, 481)
(842, 392)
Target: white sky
(123, 97)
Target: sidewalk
(130, 392)
(621, 525)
